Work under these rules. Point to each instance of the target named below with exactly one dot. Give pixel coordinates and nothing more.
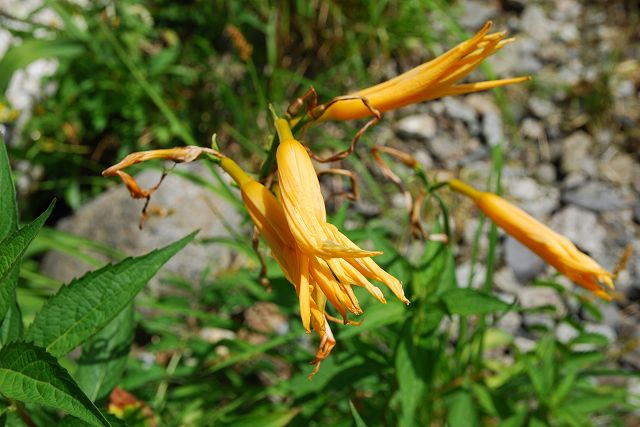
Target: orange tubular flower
(552, 247)
(330, 252)
(434, 79)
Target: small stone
(418, 126)
(535, 23)
(213, 335)
(595, 196)
(457, 109)
(575, 154)
(492, 128)
(624, 89)
(619, 169)
(565, 332)
(525, 265)
(477, 13)
(525, 345)
(532, 129)
(580, 226)
(463, 273)
(510, 322)
(535, 297)
(505, 280)
(541, 107)
(547, 173)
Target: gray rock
(457, 109)
(575, 154)
(532, 129)
(463, 273)
(636, 211)
(535, 23)
(492, 128)
(525, 345)
(419, 126)
(525, 265)
(113, 217)
(505, 281)
(476, 13)
(580, 226)
(535, 297)
(547, 173)
(619, 169)
(565, 332)
(541, 107)
(510, 322)
(595, 196)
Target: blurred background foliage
(144, 74)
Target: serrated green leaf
(465, 301)
(12, 327)
(104, 356)
(29, 374)
(8, 225)
(8, 207)
(11, 250)
(462, 410)
(20, 56)
(87, 304)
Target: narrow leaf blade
(20, 56)
(465, 301)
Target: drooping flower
(267, 214)
(331, 253)
(434, 79)
(552, 247)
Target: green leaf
(20, 56)
(410, 378)
(465, 301)
(357, 419)
(11, 323)
(462, 410)
(86, 305)
(104, 356)
(12, 327)
(70, 421)
(11, 250)
(29, 374)
(8, 207)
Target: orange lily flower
(434, 79)
(331, 253)
(552, 247)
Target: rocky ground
(574, 162)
